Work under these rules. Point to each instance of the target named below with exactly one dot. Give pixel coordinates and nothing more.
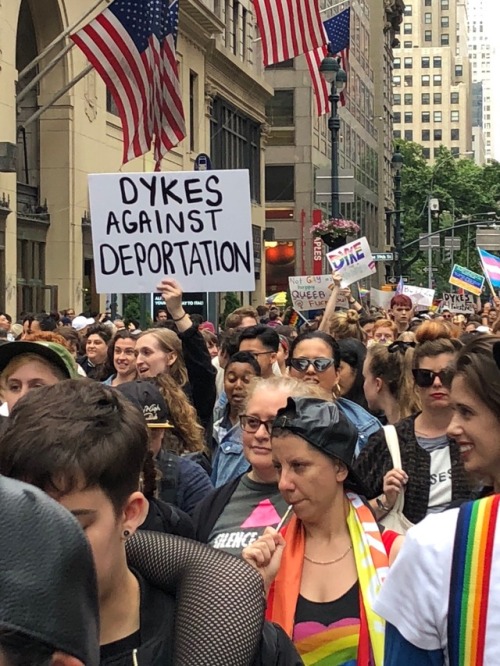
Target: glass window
(426, 116)
(397, 134)
(397, 63)
(408, 116)
(280, 183)
(438, 116)
(426, 98)
(459, 70)
(455, 135)
(437, 79)
(408, 98)
(426, 153)
(427, 35)
(407, 28)
(408, 45)
(445, 39)
(437, 62)
(280, 109)
(427, 17)
(445, 21)
(438, 135)
(397, 117)
(437, 98)
(428, 3)
(396, 100)
(408, 80)
(408, 63)
(408, 135)
(408, 10)
(455, 151)
(455, 98)
(426, 135)
(396, 80)
(426, 80)
(426, 63)
(455, 116)
(445, 4)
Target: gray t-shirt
(252, 507)
(440, 494)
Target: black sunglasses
(425, 378)
(320, 364)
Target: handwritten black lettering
(191, 191)
(128, 190)
(218, 194)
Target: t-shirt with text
(440, 490)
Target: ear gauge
(126, 534)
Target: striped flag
(132, 45)
(288, 28)
(491, 267)
(401, 286)
(338, 31)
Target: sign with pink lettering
(353, 261)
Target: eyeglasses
(320, 364)
(425, 378)
(253, 423)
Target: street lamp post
(335, 76)
(397, 165)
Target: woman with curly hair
(342, 325)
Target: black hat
(48, 588)
(150, 401)
(322, 425)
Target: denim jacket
(229, 461)
(365, 422)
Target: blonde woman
(342, 325)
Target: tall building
(481, 54)
(432, 78)
(46, 259)
(298, 153)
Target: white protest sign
(421, 298)
(194, 226)
(353, 261)
(380, 299)
(311, 292)
(463, 303)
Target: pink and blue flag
(491, 267)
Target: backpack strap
(470, 581)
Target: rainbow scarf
(371, 564)
(470, 581)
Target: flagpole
(485, 273)
(55, 41)
(41, 74)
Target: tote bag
(395, 520)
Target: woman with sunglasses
(315, 359)
(432, 475)
(238, 512)
(449, 567)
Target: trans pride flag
(491, 267)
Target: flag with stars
(337, 30)
(132, 45)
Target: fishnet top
(219, 598)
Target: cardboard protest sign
(459, 303)
(466, 279)
(353, 261)
(311, 292)
(380, 299)
(194, 226)
(421, 298)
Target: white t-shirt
(414, 597)
(440, 490)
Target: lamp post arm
(467, 223)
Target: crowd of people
(250, 492)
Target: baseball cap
(80, 322)
(48, 587)
(150, 401)
(322, 425)
(50, 351)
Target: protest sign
(311, 292)
(460, 303)
(466, 279)
(353, 261)
(380, 299)
(421, 298)
(194, 226)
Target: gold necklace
(331, 561)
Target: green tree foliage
(231, 302)
(132, 307)
(463, 189)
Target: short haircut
(78, 433)
(236, 317)
(47, 322)
(7, 316)
(244, 357)
(229, 342)
(196, 319)
(317, 335)
(266, 335)
(104, 332)
(401, 301)
(386, 323)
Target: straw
(284, 519)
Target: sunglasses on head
(320, 364)
(425, 378)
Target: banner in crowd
(311, 292)
(421, 297)
(353, 261)
(458, 303)
(466, 279)
(194, 226)
(380, 299)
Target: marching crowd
(336, 487)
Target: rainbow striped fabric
(470, 581)
(336, 645)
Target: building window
(428, 3)
(437, 62)
(408, 135)
(426, 116)
(407, 28)
(110, 104)
(428, 18)
(408, 81)
(427, 35)
(408, 10)
(455, 116)
(426, 80)
(396, 100)
(280, 183)
(445, 4)
(445, 21)
(397, 117)
(445, 39)
(193, 111)
(455, 98)
(437, 98)
(438, 135)
(407, 45)
(235, 143)
(426, 135)
(455, 151)
(408, 116)
(426, 63)
(280, 109)
(459, 70)
(396, 80)
(397, 134)
(455, 134)
(286, 64)
(397, 63)
(426, 98)
(438, 116)
(426, 153)
(408, 63)
(408, 98)
(437, 79)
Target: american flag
(132, 44)
(338, 34)
(288, 28)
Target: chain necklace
(330, 561)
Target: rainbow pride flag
(335, 646)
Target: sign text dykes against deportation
(194, 226)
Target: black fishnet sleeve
(219, 598)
